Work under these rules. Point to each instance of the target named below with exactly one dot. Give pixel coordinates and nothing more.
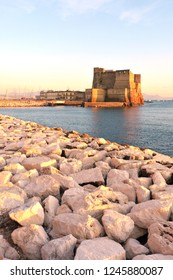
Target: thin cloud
(81, 6)
(137, 14)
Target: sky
(55, 44)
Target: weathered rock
(126, 189)
(158, 179)
(25, 176)
(93, 175)
(6, 251)
(101, 248)
(149, 169)
(32, 150)
(143, 194)
(14, 168)
(115, 176)
(93, 203)
(11, 197)
(80, 226)
(50, 206)
(5, 177)
(38, 162)
(134, 248)
(51, 148)
(70, 166)
(165, 194)
(43, 186)
(160, 238)
(30, 213)
(16, 158)
(59, 249)
(30, 239)
(104, 166)
(117, 226)
(66, 182)
(148, 212)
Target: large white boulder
(29, 213)
(43, 186)
(38, 162)
(117, 226)
(101, 248)
(148, 212)
(80, 226)
(93, 175)
(30, 239)
(11, 197)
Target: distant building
(116, 86)
(62, 95)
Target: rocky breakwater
(67, 196)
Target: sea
(147, 126)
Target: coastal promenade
(66, 196)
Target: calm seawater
(148, 126)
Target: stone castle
(116, 86)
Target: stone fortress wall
(116, 86)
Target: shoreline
(42, 103)
(97, 199)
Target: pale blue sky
(55, 44)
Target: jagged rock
(16, 158)
(93, 175)
(126, 189)
(143, 194)
(158, 179)
(115, 176)
(164, 159)
(51, 148)
(50, 206)
(66, 182)
(93, 203)
(80, 226)
(5, 177)
(117, 226)
(134, 248)
(31, 150)
(6, 251)
(38, 162)
(155, 188)
(101, 248)
(25, 176)
(160, 238)
(43, 186)
(165, 194)
(14, 168)
(59, 249)
(104, 166)
(141, 181)
(30, 239)
(149, 169)
(148, 212)
(70, 166)
(10, 198)
(29, 213)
